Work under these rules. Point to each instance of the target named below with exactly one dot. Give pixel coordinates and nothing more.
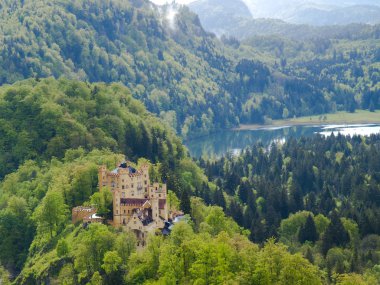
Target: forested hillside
(196, 83)
(56, 133)
(41, 119)
(171, 64)
(320, 196)
(338, 72)
(80, 82)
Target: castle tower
(102, 177)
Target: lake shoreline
(255, 127)
(342, 118)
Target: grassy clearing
(359, 117)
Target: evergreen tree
(219, 198)
(258, 231)
(185, 201)
(335, 235)
(308, 231)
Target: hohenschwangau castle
(137, 205)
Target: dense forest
(39, 243)
(87, 83)
(320, 196)
(311, 206)
(195, 82)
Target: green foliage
(185, 201)
(4, 276)
(101, 255)
(335, 235)
(289, 227)
(17, 230)
(61, 114)
(192, 80)
(90, 253)
(198, 258)
(52, 213)
(172, 201)
(62, 248)
(308, 231)
(96, 279)
(119, 41)
(111, 262)
(103, 202)
(307, 198)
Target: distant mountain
(292, 9)
(365, 14)
(220, 16)
(239, 17)
(279, 28)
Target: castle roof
(133, 201)
(124, 166)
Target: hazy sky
(161, 2)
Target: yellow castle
(137, 205)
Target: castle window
(145, 182)
(117, 212)
(159, 195)
(123, 194)
(124, 211)
(122, 187)
(132, 185)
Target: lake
(234, 141)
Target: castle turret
(102, 177)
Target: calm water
(234, 141)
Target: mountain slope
(196, 83)
(321, 12)
(242, 18)
(167, 60)
(220, 17)
(339, 16)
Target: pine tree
(185, 202)
(219, 198)
(258, 231)
(335, 235)
(308, 231)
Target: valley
(148, 144)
